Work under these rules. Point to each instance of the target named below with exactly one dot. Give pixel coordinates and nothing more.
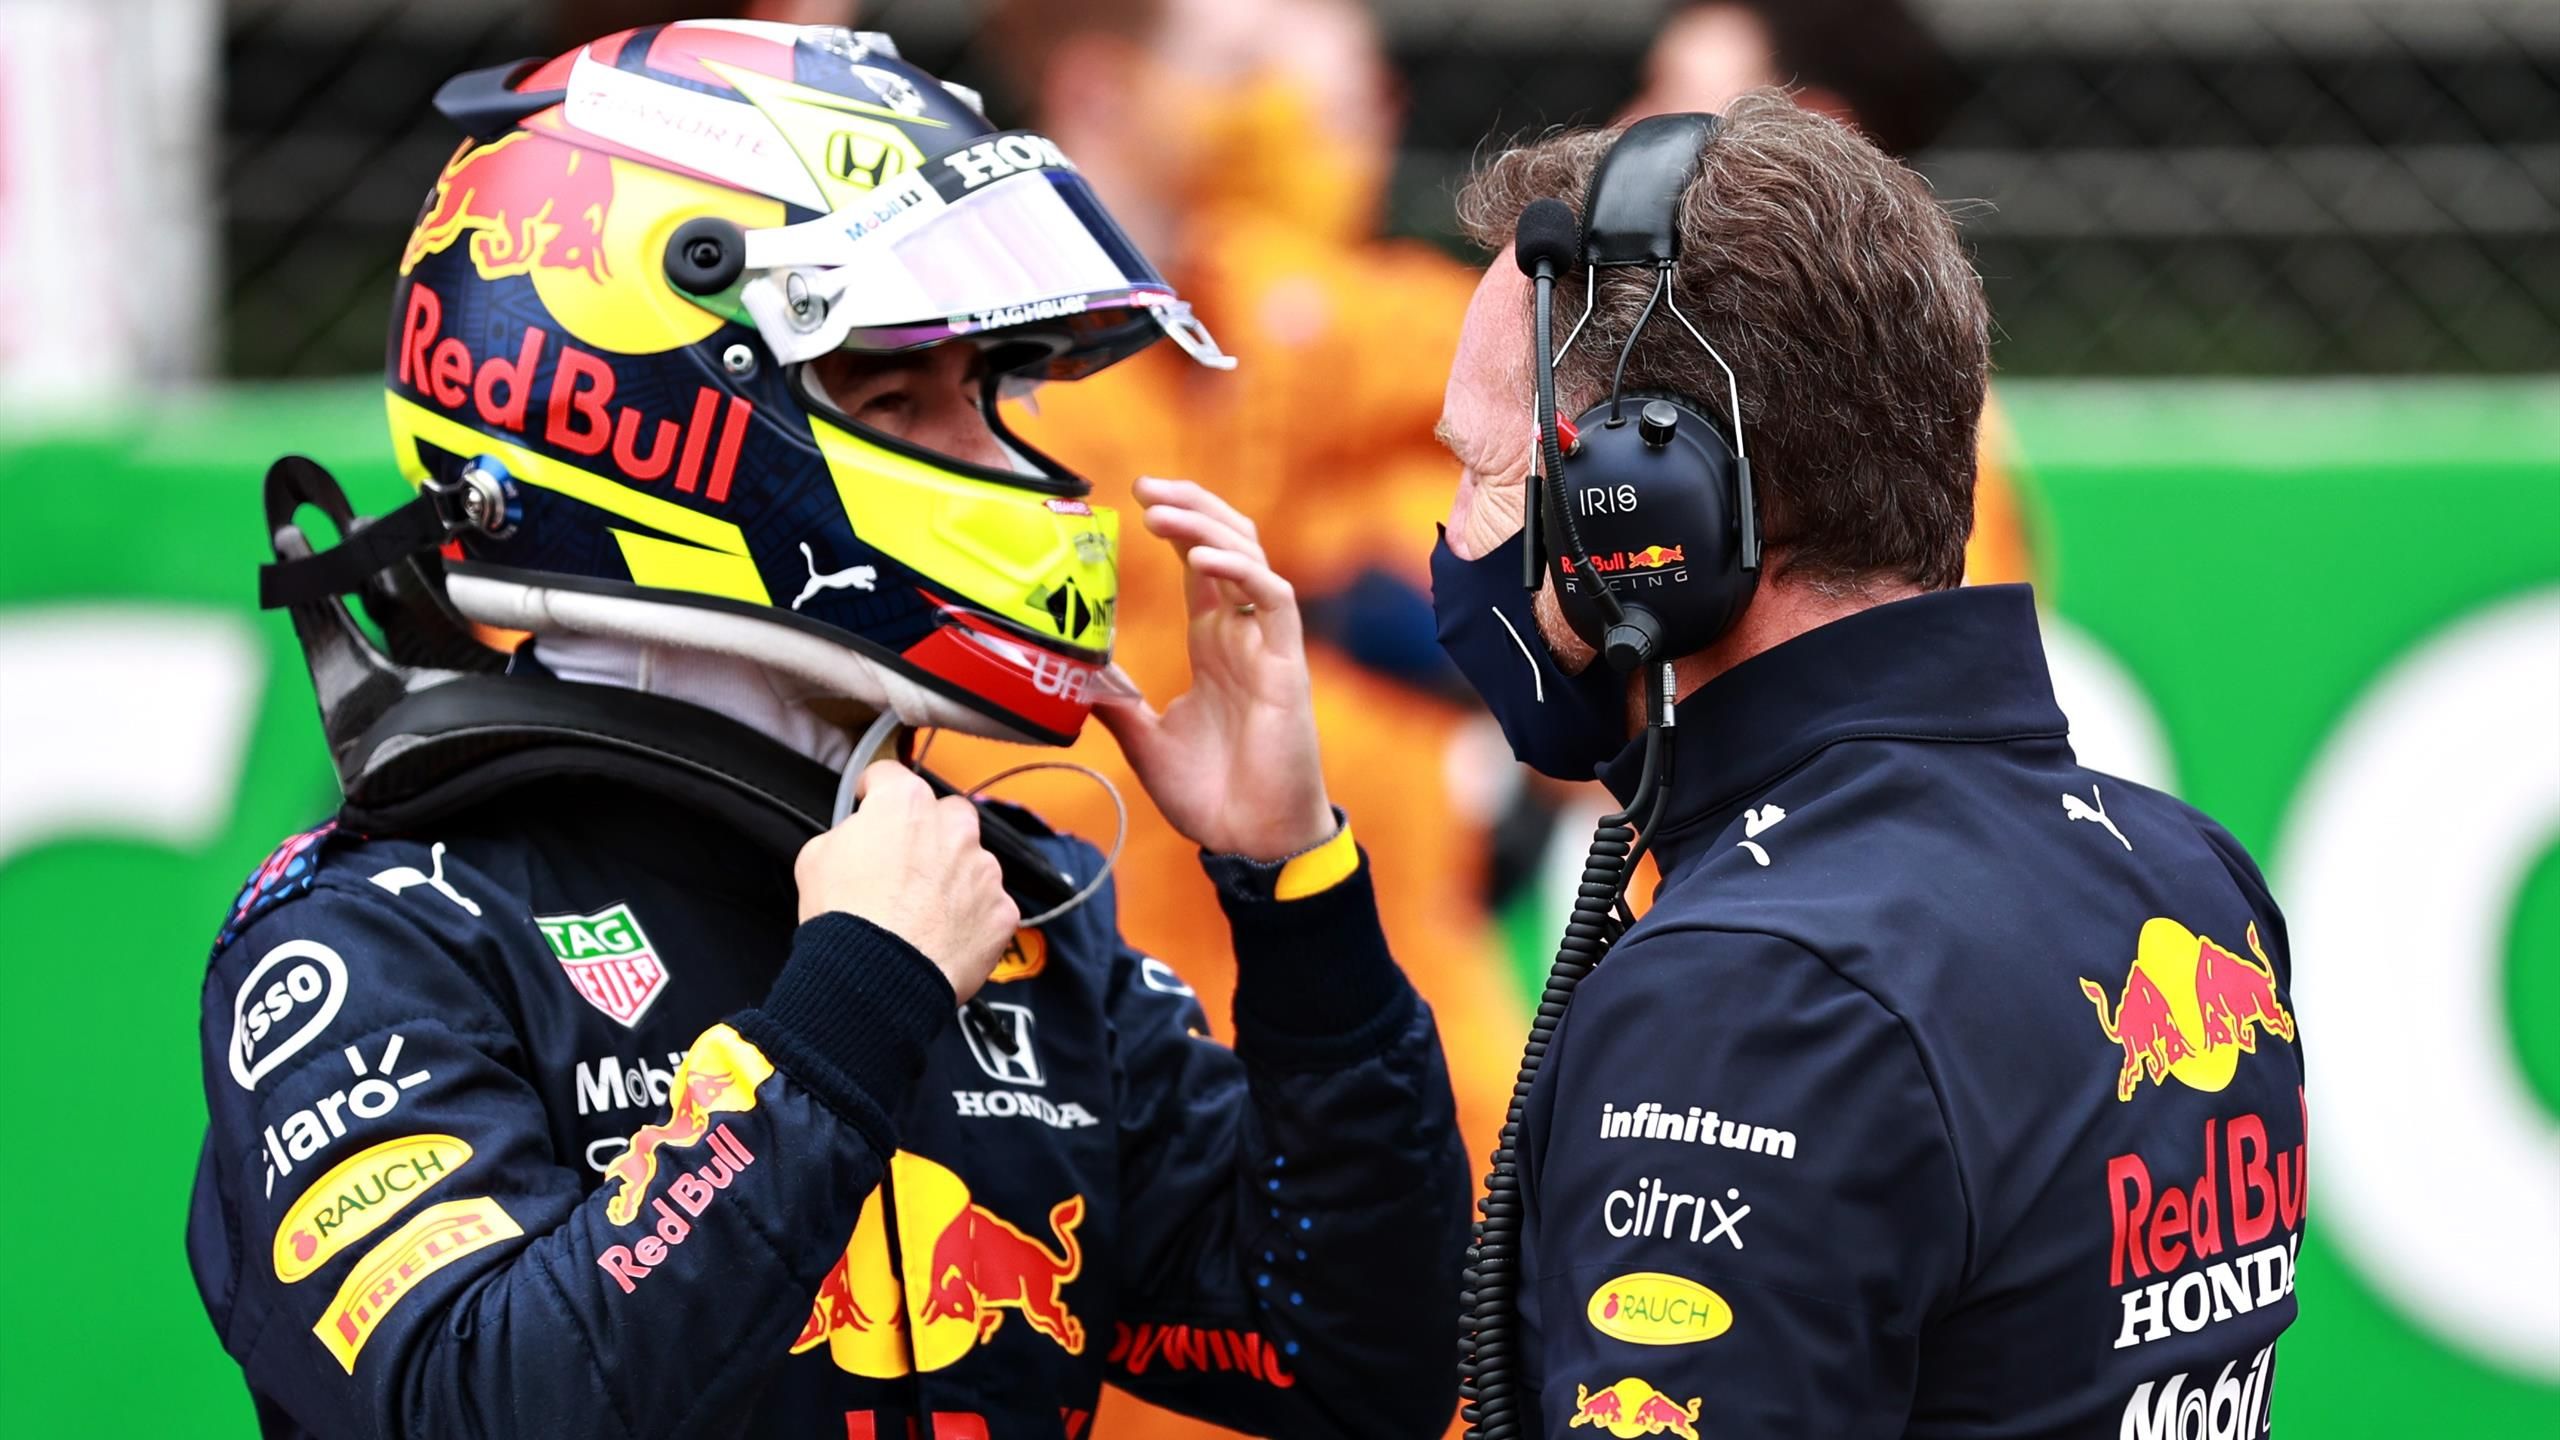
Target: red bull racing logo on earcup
(2189, 1009)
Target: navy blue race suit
(1947, 1089)
(547, 1120)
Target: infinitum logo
(1694, 1126)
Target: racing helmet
(604, 328)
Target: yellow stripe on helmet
(712, 560)
(1050, 565)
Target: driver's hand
(911, 864)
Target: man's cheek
(1572, 655)
(1482, 515)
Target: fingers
(1190, 495)
(892, 784)
(1137, 729)
(1194, 527)
(1275, 600)
(959, 817)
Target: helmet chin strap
(759, 697)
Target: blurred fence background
(2165, 186)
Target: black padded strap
(1632, 215)
(441, 750)
(343, 568)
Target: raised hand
(1232, 761)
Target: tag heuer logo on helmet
(608, 957)
(1019, 314)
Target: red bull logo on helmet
(526, 201)
(1632, 1407)
(587, 228)
(2189, 1009)
(967, 1269)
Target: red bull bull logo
(719, 1075)
(527, 201)
(1631, 1408)
(2189, 1009)
(982, 1267)
(587, 228)
(967, 1268)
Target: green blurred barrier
(2339, 603)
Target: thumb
(1135, 727)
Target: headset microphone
(1545, 243)
(1546, 237)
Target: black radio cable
(1489, 1304)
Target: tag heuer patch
(608, 958)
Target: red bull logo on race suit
(1631, 1408)
(967, 1268)
(719, 1075)
(2189, 1009)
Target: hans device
(1641, 510)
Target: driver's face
(927, 398)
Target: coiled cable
(1489, 1303)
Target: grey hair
(1833, 281)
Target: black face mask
(1558, 724)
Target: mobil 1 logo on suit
(608, 959)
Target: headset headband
(1632, 215)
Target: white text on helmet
(1020, 314)
(1005, 155)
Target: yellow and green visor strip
(1047, 563)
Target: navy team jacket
(549, 1123)
(1947, 1089)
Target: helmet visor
(999, 238)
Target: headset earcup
(1656, 512)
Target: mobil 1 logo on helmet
(608, 959)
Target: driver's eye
(887, 405)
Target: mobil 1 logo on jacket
(608, 959)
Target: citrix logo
(1652, 1210)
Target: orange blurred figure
(1246, 147)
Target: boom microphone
(1546, 238)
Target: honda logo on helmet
(1005, 155)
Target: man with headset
(1947, 1087)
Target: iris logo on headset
(1641, 508)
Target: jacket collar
(1950, 666)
